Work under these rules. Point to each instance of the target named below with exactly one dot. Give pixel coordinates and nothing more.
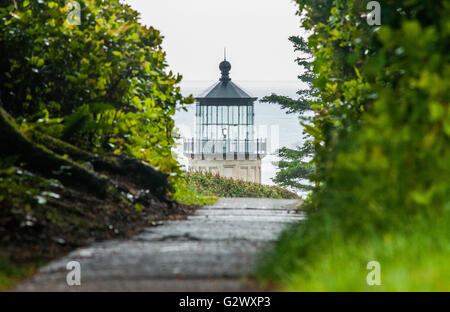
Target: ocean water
(282, 129)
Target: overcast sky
(255, 33)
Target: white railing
(196, 148)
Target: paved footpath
(210, 251)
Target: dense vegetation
(86, 129)
(101, 85)
(214, 185)
(381, 137)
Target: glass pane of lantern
(225, 115)
(235, 115)
(242, 132)
(220, 115)
(209, 114)
(214, 132)
(250, 115)
(204, 115)
(251, 131)
(242, 115)
(233, 133)
(204, 135)
(214, 115)
(231, 115)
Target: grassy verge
(186, 193)
(11, 273)
(310, 258)
(214, 185)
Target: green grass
(214, 185)
(11, 274)
(413, 260)
(187, 194)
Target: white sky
(255, 33)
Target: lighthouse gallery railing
(198, 147)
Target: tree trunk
(38, 159)
(121, 167)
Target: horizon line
(260, 80)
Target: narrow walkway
(210, 251)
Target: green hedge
(381, 133)
(213, 185)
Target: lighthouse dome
(225, 66)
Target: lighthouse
(225, 141)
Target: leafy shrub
(101, 85)
(215, 185)
(188, 194)
(382, 127)
(382, 142)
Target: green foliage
(413, 261)
(102, 85)
(215, 185)
(381, 138)
(20, 192)
(18, 188)
(186, 193)
(11, 274)
(295, 166)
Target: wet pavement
(213, 250)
